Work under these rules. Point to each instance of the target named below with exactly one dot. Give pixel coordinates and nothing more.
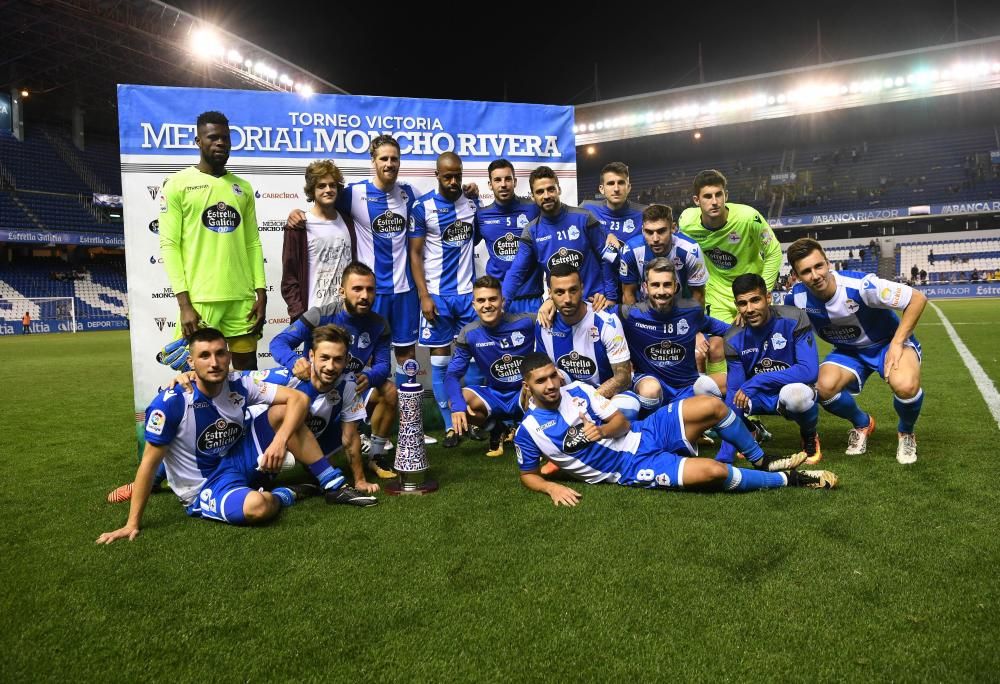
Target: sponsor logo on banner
(155, 259)
(154, 226)
(221, 218)
(165, 293)
(153, 190)
(274, 195)
(271, 226)
(160, 323)
(278, 321)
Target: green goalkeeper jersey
(745, 244)
(208, 236)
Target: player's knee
(905, 387)
(259, 507)
(389, 395)
(705, 408)
(705, 386)
(649, 388)
(716, 349)
(797, 397)
(826, 389)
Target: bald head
(449, 175)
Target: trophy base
(411, 484)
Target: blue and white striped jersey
(623, 223)
(574, 237)
(684, 252)
(662, 345)
(380, 221)
(586, 350)
(558, 436)
(450, 231)
(198, 431)
(501, 226)
(327, 410)
(860, 313)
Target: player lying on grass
(773, 364)
(213, 461)
(582, 432)
(853, 311)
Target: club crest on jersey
(778, 341)
(505, 246)
(594, 333)
(522, 220)
(457, 232)
(566, 256)
(221, 218)
(665, 353)
(577, 365)
(333, 396)
(682, 327)
(663, 480)
(236, 398)
(516, 338)
(426, 333)
(157, 419)
(768, 365)
(722, 259)
(850, 305)
(573, 233)
(237, 190)
(388, 223)
(507, 368)
(733, 238)
(364, 340)
(628, 226)
(219, 436)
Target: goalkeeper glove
(175, 355)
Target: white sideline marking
(982, 380)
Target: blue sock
(439, 367)
(806, 421)
(843, 405)
(747, 480)
(474, 376)
(734, 431)
(329, 477)
(284, 495)
(727, 453)
(908, 411)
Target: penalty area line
(979, 376)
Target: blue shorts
(663, 430)
(402, 310)
(663, 470)
(524, 305)
(669, 393)
(864, 362)
(499, 404)
(221, 497)
(454, 312)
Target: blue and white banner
(47, 237)
(275, 136)
(55, 325)
(961, 291)
(983, 206)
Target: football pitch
(893, 576)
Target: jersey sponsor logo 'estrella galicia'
(768, 365)
(574, 440)
(665, 353)
(577, 365)
(566, 256)
(505, 247)
(458, 232)
(316, 424)
(221, 218)
(507, 368)
(219, 436)
(388, 223)
(841, 333)
(723, 260)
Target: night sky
(546, 53)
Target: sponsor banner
(275, 135)
(46, 237)
(888, 214)
(57, 325)
(102, 200)
(6, 114)
(786, 178)
(960, 291)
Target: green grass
(892, 577)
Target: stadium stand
(963, 260)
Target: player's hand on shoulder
(547, 313)
(296, 219)
(562, 495)
(471, 190)
(360, 382)
(185, 380)
(599, 302)
(126, 532)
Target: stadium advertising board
(274, 137)
(982, 206)
(961, 291)
(6, 114)
(47, 237)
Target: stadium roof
(77, 50)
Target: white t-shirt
(329, 254)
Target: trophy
(411, 454)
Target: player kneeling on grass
(591, 441)
(772, 364)
(213, 461)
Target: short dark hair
(318, 170)
(540, 173)
(707, 177)
(205, 335)
(657, 212)
(331, 333)
(563, 270)
(659, 265)
(533, 361)
(487, 281)
(378, 141)
(802, 248)
(212, 117)
(748, 282)
(356, 268)
(614, 167)
(499, 164)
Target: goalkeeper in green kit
(211, 249)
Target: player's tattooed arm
(618, 382)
